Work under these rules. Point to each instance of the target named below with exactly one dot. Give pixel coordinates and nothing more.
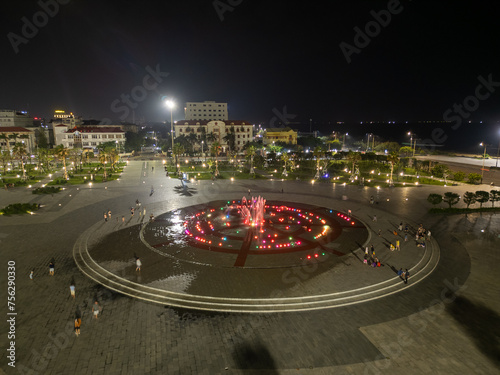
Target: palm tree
(285, 158)
(250, 152)
(5, 158)
(392, 158)
(178, 151)
(62, 153)
(230, 138)
(215, 150)
(354, 158)
(20, 151)
(6, 138)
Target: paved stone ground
(424, 329)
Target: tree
(230, 138)
(42, 141)
(4, 158)
(20, 151)
(6, 139)
(451, 198)
(435, 199)
(62, 153)
(459, 176)
(215, 150)
(250, 153)
(474, 178)
(406, 151)
(494, 197)
(392, 158)
(178, 151)
(482, 197)
(439, 170)
(469, 198)
(285, 158)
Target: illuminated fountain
(252, 211)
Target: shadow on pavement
(185, 191)
(481, 324)
(254, 356)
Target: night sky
(258, 56)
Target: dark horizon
(271, 62)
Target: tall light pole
(170, 104)
(413, 142)
(484, 157)
(498, 152)
(343, 143)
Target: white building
(242, 130)
(206, 111)
(17, 134)
(88, 137)
(10, 117)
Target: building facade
(206, 111)
(10, 117)
(88, 137)
(242, 131)
(286, 135)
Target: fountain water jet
(252, 211)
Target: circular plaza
(302, 253)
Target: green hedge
(19, 208)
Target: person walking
(109, 214)
(138, 264)
(398, 246)
(72, 290)
(374, 218)
(407, 275)
(51, 269)
(32, 275)
(400, 228)
(400, 273)
(428, 235)
(123, 219)
(105, 216)
(78, 323)
(96, 309)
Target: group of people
(404, 275)
(369, 258)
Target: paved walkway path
(445, 324)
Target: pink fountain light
(252, 211)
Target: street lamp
(412, 136)
(170, 104)
(484, 157)
(343, 143)
(498, 152)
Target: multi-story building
(242, 131)
(88, 137)
(206, 111)
(286, 135)
(10, 117)
(10, 135)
